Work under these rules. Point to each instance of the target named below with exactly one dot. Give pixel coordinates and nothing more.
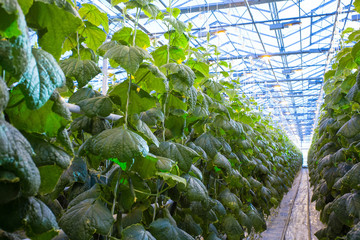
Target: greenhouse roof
(278, 49)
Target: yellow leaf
(179, 61)
(138, 89)
(132, 77)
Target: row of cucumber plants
(189, 159)
(334, 158)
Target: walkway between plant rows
(296, 218)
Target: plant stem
(115, 195)
(127, 101)
(167, 73)
(129, 76)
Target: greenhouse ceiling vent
(277, 26)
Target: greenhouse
(179, 119)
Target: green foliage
(332, 162)
(181, 162)
(45, 16)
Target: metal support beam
(288, 96)
(310, 51)
(282, 80)
(218, 6)
(260, 22)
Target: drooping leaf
(15, 156)
(162, 229)
(50, 175)
(195, 189)
(176, 39)
(9, 13)
(29, 213)
(119, 143)
(136, 232)
(178, 25)
(209, 143)
(83, 93)
(232, 228)
(230, 200)
(139, 101)
(93, 35)
(84, 219)
(129, 58)
(80, 70)
(150, 78)
(183, 155)
(171, 179)
(160, 55)
(98, 106)
(144, 130)
(222, 162)
(42, 120)
(48, 154)
(126, 35)
(45, 16)
(94, 15)
(145, 166)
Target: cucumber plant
(190, 158)
(334, 153)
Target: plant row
(189, 158)
(334, 154)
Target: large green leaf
(144, 130)
(50, 175)
(93, 35)
(222, 162)
(150, 78)
(195, 189)
(83, 93)
(36, 70)
(126, 35)
(183, 155)
(15, 156)
(136, 232)
(9, 13)
(209, 143)
(182, 78)
(97, 106)
(160, 55)
(55, 20)
(49, 154)
(178, 25)
(42, 120)
(129, 58)
(230, 200)
(139, 101)
(162, 229)
(176, 39)
(171, 179)
(84, 219)
(40, 87)
(91, 13)
(232, 228)
(80, 70)
(31, 214)
(119, 143)
(351, 128)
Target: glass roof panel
(296, 34)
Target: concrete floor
(296, 218)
